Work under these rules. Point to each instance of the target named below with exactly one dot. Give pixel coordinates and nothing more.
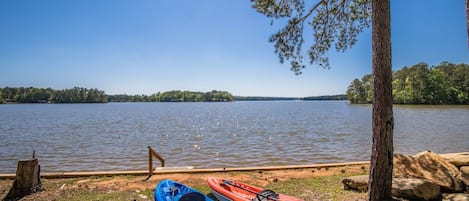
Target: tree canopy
(1, 98)
(48, 95)
(175, 96)
(84, 95)
(446, 83)
(333, 22)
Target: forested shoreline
(175, 96)
(84, 95)
(445, 83)
(49, 95)
(309, 98)
(329, 97)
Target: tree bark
(380, 184)
(27, 180)
(467, 21)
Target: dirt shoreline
(141, 189)
(183, 169)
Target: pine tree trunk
(467, 21)
(380, 184)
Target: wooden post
(152, 153)
(27, 181)
(156, 155)
(150, 163)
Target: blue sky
(146, 46)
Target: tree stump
(27, 180)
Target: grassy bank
(308, 184)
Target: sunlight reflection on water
(115, 136)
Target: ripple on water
(115, 136)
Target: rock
(142, 196)
(358, 183)
(457, 159)
(456, 197)
(465, 176)
(415, 189)
(419, 189)
(430, 166)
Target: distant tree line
(446, 83)
(48, 95)
(263, 98)
(1, 98)
(175, 96)
(84, 95)
(309, 98)
(330, 97)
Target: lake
(115, 136)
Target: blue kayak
(168, 190)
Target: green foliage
(320, 188)
(175, 96)
(41, 95)
(84, 95)
(1, 98)
(330, 97)
(446, 83)
(335, 22)
(360, 91)
(264, 98)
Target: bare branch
(311, 11)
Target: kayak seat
(266, 195)
(192, 196)
(171, 189)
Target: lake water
(115, 136)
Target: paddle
(228, 182)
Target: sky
(147, 46)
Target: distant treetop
(446, 83)
(175, 96)
(48, 95)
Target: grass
(326, 188)
(304, 185)
(318, 188)
(104, 195)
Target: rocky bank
(424, 176)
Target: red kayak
(227, 190)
